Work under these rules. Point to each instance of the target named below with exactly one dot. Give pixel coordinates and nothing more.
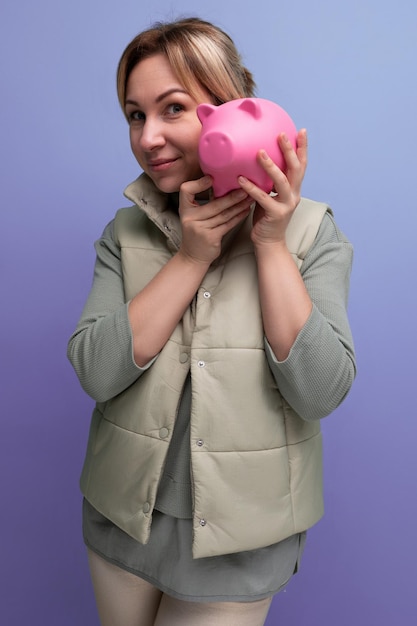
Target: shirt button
(207, 294)
(201, 363)
(183, 357)
(146, 507)
(163, 433)
(203, 522)
(200, 442)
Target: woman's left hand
(273, 213)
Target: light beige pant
(124, 599)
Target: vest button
(201, 364)
(183, 357)
(207, 294)
(163, 433)
(200, 442)
(203, 522)
(146, 507)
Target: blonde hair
(200, 54)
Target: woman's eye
(174, 109)
(136, 116)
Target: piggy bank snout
(216, 150)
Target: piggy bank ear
(251, 106)
(204, 110)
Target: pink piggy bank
(231, 136)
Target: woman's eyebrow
(161, 96)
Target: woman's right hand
(204, 226)
(156, 310)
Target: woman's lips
(160, 165)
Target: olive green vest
(256, 466)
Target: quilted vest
(256, 466)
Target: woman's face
(164, 127)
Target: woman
(214, 339)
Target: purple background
(346, 71)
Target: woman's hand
(156, 310)
(272, 213)
(204, 226)
(285, 303)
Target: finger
(290, 155)
(282, 184)
(302, 146)
(296, 160)
(232, 212)
(299, 155)
(255, 192)
(225, 204)
(192, 188)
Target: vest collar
(157, 207)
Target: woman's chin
(172, 184)
(166, 184)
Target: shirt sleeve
(101, 348)
(320, 368)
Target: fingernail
(241, 194)
(242, 179)
(264, 155)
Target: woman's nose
(152, 136)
